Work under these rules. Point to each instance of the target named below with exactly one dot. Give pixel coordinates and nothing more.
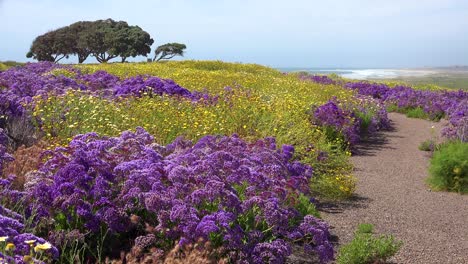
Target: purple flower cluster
(36, 79)
(322, 79)
(371, 112)
(4, 156)
(344, 121)
(99, 80)
(20, 84)
(11, 226)
(240, 196)
(363, 116)
(151, 85)
(458, 122)
(10, 223)
(437, 104)
(10, 106)
(32, 79)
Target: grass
(427, 145)
(413, 112)
(4, 65)
(367, 248)
(417, 112)
(444, 82)
(449, 167)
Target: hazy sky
(286, 33)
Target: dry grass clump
(200, 253)
(26, 160)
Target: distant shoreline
(446, 77)
(384, 73)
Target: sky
(292, 33)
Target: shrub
(425, 104)
(25, 160)
(366, 248)
(250, 199)
(427, 145)
(337, 122)
(417, 112)
(449, 167)
(333, 187)
(347, 122)
(200, 253)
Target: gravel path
(392, 194)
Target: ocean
(365, 73)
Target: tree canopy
(169, 51)
(102, 39)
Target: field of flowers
(138, 161)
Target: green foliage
(333, 187)
(365, 228)
(393, 108)
(366, 248)
(427, 145)
(4, 65)
(169, 51)
(335, 136)
(366, 119)
(103, 39)
(449, 167)
(44, 48)
(306, 207)
(416, 113)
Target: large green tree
(52, 46)
(133, 41)
(102, 39)
(76, 30)
(169, 51)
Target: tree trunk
(82, 57)
(57, 59)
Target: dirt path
(392, 194)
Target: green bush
(427, 145)
(417, 112)
(10, 64)
(365, 228)
(366, 120)
(368, 248)
(449, 167)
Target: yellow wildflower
(28, 259)
(30, 242)
(41, 247)
(10, 246)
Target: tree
(98, 38)
(132, 42)
(76, 30)
(52, 46)
(109, 39)
(169, 51)
(102, 39)
(40, 49)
